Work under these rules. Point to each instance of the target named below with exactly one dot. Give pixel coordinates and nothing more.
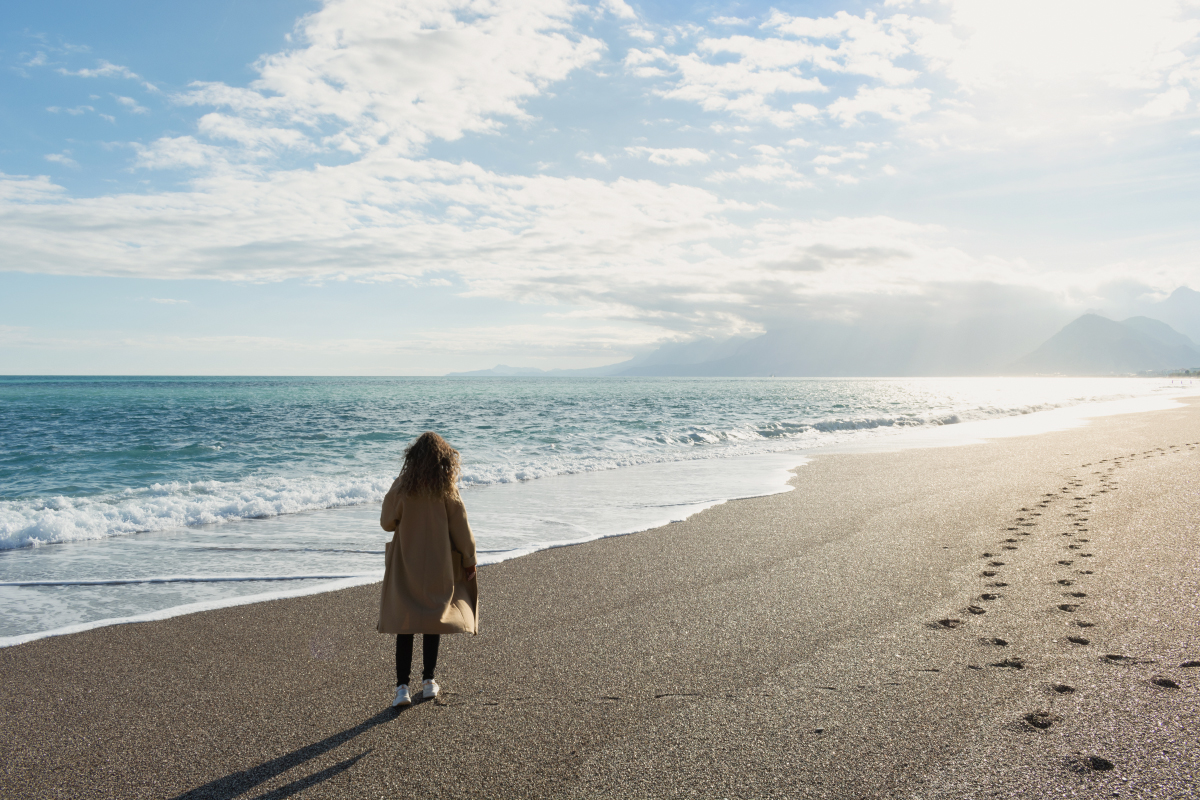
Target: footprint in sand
(1070, 608)
(1084, 763)
(1062, 688)
(1011, 663)
(1079, 623)
(1190, 664)
(995, 563)
(1065, 582)
(976, 610)
(1041, 719)
(1078, 640)
(995, 640)
(987, 596)
(948, 623)
(1066, 563)
(1076, 594)
(1164, 682)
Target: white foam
(510, 521)
(25, 523)
(180, 579)
(192, 608)
(166, 506)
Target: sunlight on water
(123, 479)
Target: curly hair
(430, 468)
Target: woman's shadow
(239, 783)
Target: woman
(429, 582)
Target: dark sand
(784, 646)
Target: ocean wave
(30, 523)
(163, 506)
(182, 579)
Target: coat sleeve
(460, 531)
(392, 508)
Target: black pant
(429, 648)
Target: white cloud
(175, 152)
(132, 105)
(257, 139)
(1123, 43)
(744, 88)
(76, 111)
(837, 158)
(960, 72)
(619, 8)
(895, 104)
(771, 165)
(381, 80)
(63, 159)
(393, 76)
(24, 189)
(670, 256)
(1169, 103)
(672, 156)
(105, 70)
(864, 45)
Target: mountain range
(927, 345)
(1095, 345)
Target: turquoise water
(129, 496)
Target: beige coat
(425, 586)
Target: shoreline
(784, 463)
(791, 645)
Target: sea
(127, 499)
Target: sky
(410, 187)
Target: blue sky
(417, 187)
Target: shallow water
(276, 481)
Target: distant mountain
(679, 357)
(672, 353)
(1096, 345)
(887, 347)
(505, 371)
(996, 333)
(1181, 311)
(1159, 331)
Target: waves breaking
(510, 433)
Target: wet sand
(1010, 619)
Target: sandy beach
(1010, 619)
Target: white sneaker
(403, 698)
(430, 689)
